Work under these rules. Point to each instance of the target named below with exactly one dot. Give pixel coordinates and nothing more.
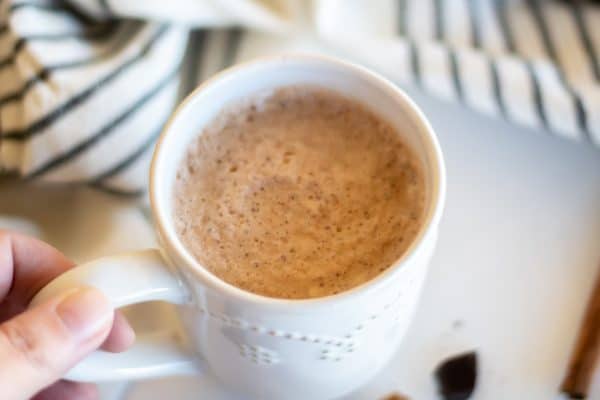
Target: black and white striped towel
(86, 85)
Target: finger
(31, 264)
(121, 335)
(64, 390)
(27, 265)
(43, 343)
(6, 264)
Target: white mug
(260, 346)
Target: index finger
(27, 265)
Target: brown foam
(299, 193)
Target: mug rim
(169, 241)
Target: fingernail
(85, 312)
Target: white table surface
(518, 252)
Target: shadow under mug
(260, 346)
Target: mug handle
(129, 278)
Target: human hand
(38, 346)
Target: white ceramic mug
(265, 347)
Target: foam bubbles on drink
(298, 193)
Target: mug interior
(268, 74)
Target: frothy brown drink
(298, 193)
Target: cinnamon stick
(586, 355)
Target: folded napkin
(86, 85)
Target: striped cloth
(86, 85)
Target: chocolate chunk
(457, 376)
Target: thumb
(40, 345)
